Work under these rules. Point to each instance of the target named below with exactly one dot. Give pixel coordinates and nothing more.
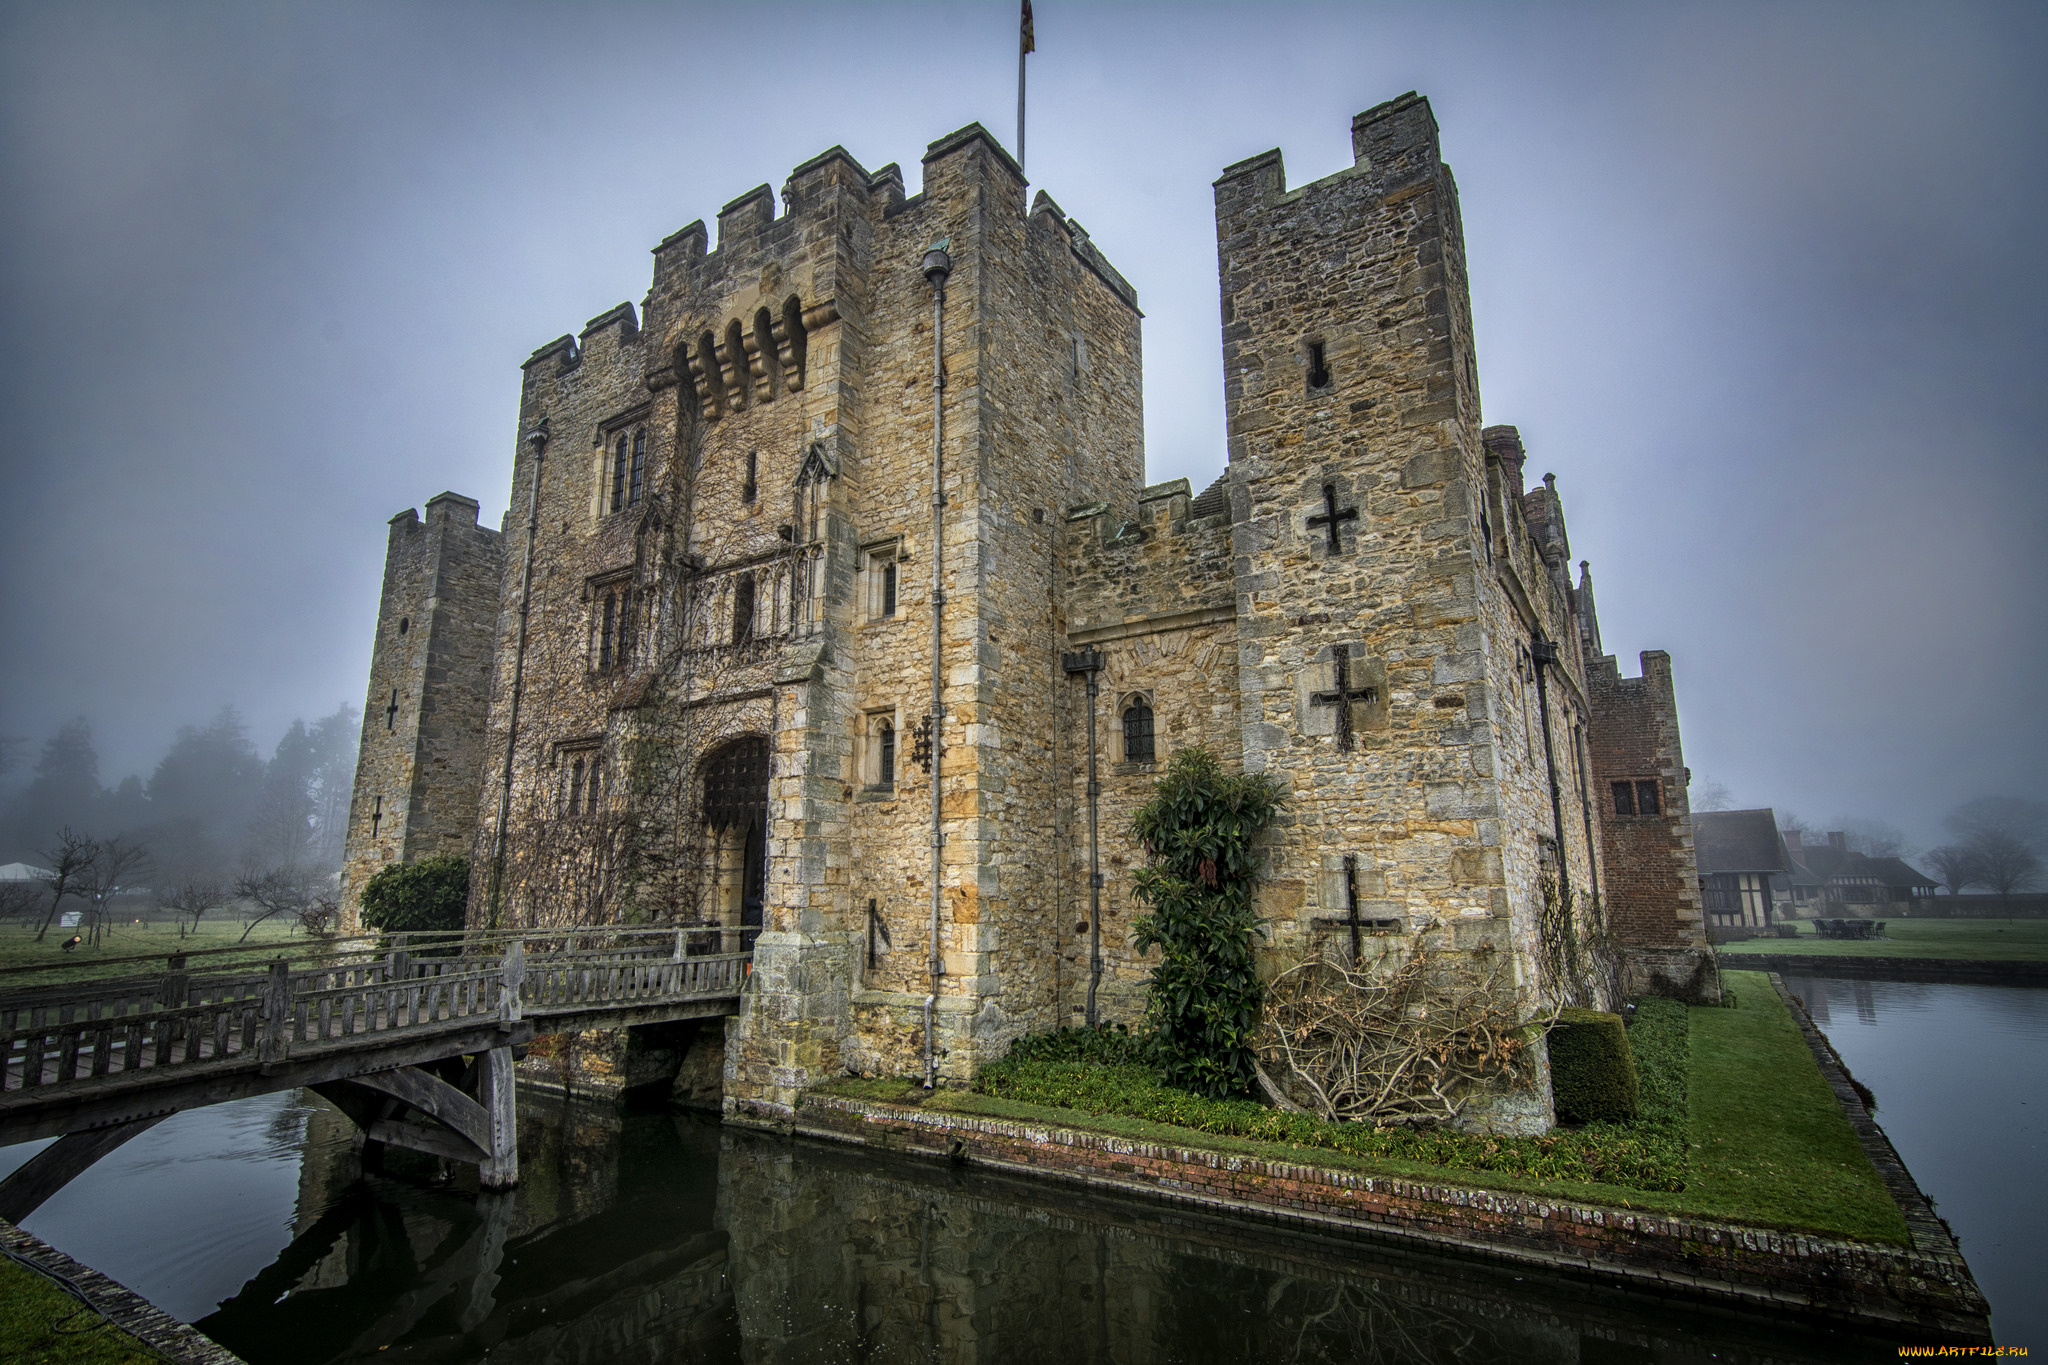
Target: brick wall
(1924, 1288)
(1652, 877)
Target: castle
(831, 609)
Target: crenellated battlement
(1394, 147)
(734, 320)
(1170, 563)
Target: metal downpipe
(538, 439)
(1089, 661)
(1545, 652)
(937, 266)
(1094, 855)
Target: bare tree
(20, 900)
(2006, 837)
(70, 862)
(1875, 838)
(120, 863)
(1708, 794)
(277, 891)
(1791, 822)
(2025, 821)
(1955, 864)
(192, 898)
(2005, 862)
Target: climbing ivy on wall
(1197, 832)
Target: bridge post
(495, 1092)
(272, 1050)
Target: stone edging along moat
(155, 1329)
(1925, 1289)
(1961, 971)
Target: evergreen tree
(1200, 877)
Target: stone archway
(735, 812)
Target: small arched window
(576, 787)
(885, 767)
(1138, 731)
(637, 476)
(619, 473)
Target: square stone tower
(1406, 660)
(421, 757)
(721, 664)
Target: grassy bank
(41, 1322)
(18, 947)
(1770, 1143)
(1737, 1125)
(1965, 940)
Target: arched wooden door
(736, 804)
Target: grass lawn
(18, 948)
(1770, 1142)
(41, 1322)
(1765, 1142)
(1978, 940)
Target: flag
(1027, 42)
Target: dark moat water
(645, 1235)
(1961, 1079)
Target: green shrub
(1105, 1046)
(411, 898)
(1592, 1071)
(1200, 873)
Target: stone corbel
(820, 314)
(700, 379)
(785, 351)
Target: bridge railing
(65, 1034)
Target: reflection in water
(653, 1236)
(1961, 1079)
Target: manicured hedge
(409, 898)
(1102, 1072)
(1592, 1071)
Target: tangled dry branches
(1393, 1040)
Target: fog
(1762, 285)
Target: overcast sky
(1763, 286)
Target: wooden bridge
(412, 1037)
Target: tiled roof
(1737, 841)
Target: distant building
(1833, 879)
(1741, 858)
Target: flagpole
(1027, 42)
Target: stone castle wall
(759, 430)
(1154, 594)
(421, 756)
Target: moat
(644, 1233)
